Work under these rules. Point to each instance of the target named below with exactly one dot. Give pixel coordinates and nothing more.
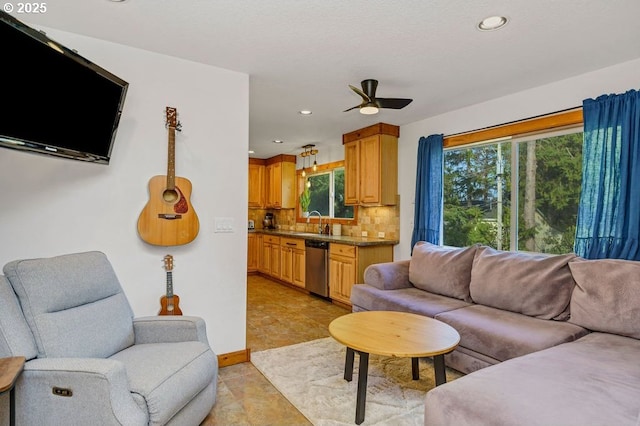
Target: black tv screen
(52, 100)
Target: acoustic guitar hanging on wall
(169, 302)
(169, 219)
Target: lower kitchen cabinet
(347, 264)
(284, 259)
(269, 262)
(252, 251)
(292, 257)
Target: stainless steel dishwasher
(317, 267)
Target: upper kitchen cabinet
(280, 189)
(272, 182)
(256, 183)
(371, 165)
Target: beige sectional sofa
(560, 334)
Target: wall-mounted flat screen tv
(52, 100)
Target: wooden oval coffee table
(395, 334)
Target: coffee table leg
(438, 367)
(363, 371)
(348, 365)
(415, 369)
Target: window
(326, 189)
(520, 194)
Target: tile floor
(276, 316)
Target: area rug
(310, 376)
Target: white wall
(54, 206)
(553, 97)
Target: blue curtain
(428, 208)
(609, 212)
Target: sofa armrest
(388, 276)
(99, 389)
(169, 329)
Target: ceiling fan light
(369, 110)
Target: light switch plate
(224, 225)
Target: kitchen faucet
(319, 223)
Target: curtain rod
(513, 122)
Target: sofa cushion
(442, 270)
(592, 381)
(607, 296)
(368, 298)
(74, 305)
(164, 377)
(536, 285)
(504, 335)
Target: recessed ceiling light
(277, 141)
(305, 112)
(492, 23)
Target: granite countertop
(342, 239)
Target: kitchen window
(326, 187)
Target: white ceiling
(302, 54)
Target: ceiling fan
(370, 104)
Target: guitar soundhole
(170, 308)
(170, 195)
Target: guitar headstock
(172, 118)
(168, 262)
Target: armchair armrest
(389, 275)
(88, 389)
(169, 329)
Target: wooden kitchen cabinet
(352, 172)
(371, 165)
(292, 259)
(252, 252)
(270, 261)
(347, 264)
(280, 178)
(256, 183)
(342, 272)
(299, 270)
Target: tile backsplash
(371, 220)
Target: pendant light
(309, 150)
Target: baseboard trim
(232, 358)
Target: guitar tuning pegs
(179, 126)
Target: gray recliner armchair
(88, 360)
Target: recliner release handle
(61, 391)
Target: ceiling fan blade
(361, 93)
(357, 106)
(393, 103)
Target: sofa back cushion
(74, 305)
(536, 285)
(607, 296)
(442, 270)
(15, 337)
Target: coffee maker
(269, 221)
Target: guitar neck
(169, 284)
(171, 159)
